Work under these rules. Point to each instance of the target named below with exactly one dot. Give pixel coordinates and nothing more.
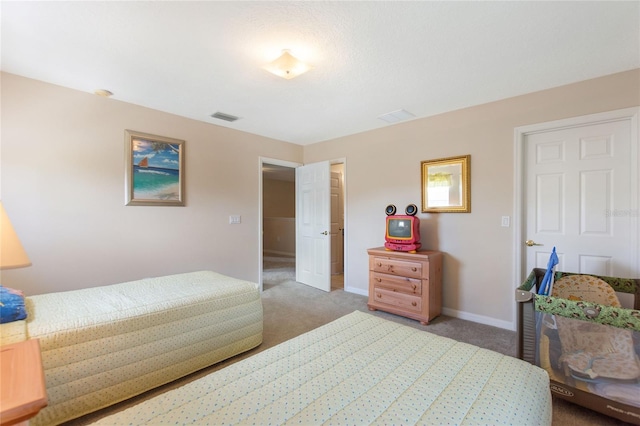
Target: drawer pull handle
(379, 295)
(414, 269)
(390, 268)
(379, 280)
(414, 304)
(415, 286)
(379, 264)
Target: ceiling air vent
(395, 116)
(226, 117)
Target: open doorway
(278, 204)
(278, 224)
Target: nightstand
(22, 388)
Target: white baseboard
(355, 290)
(481, 319)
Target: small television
(402, 231)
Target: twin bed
(106, 344)
(103, 345)
(358, 369)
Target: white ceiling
(370, 58)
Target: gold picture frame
(446, 185)
(154, 170)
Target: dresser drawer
(405, 268)
(399, 300)
(396, 283)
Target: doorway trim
(520, 135)
(293, 164)
(261, 162)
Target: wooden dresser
(407, 284)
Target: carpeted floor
(291, 308)
(278, 269)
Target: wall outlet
(234, 219)
(506, 220)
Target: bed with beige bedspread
(359, 369)
(106, 344)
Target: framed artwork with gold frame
(446, 185)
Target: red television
(402, 231)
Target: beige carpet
(291, 308)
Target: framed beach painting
(154, 170)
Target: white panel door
(579, 186)
(313, 256)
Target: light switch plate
(505, 221)
(234, 219)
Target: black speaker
(411, 210)
(390, 210)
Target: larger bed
(359, 369)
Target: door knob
(531, 243)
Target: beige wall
(62, 170)
(279, 236)
(279, 198)
(383, 167)
(279, 211)
(62, 183)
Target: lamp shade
(12, 254)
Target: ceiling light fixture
(287, 66)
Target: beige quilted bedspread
(359, 369)
(105, 344)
